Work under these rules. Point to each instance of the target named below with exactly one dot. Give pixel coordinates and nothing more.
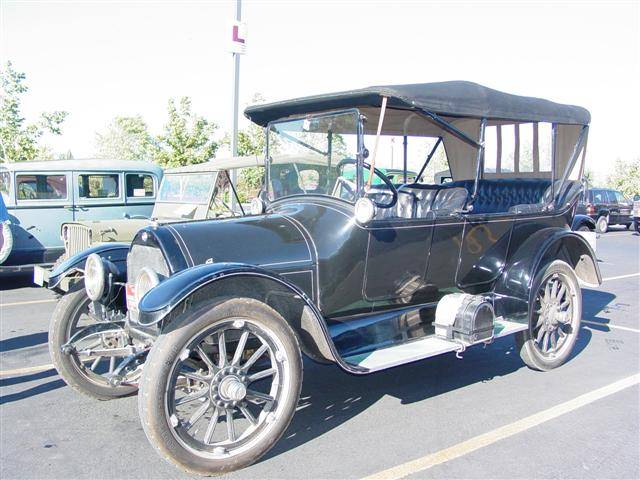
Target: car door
(612, 205)
(99, 195)
(44, 201)
(397, 260)
(624, 208)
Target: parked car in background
(606, 207)
(194, 192)
(211, 318)
(635, 213)
(41, 196)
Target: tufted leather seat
(499, 195)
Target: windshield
(308, 156)
(187, 188)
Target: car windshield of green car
(191, 188)
(307, 156)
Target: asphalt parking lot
(483, 416)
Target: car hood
(273, 241)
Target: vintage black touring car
(209, 318)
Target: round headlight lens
(257, 206)
(147, 279)
(364, 210)
(94, 277)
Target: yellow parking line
(25, 371)
(481, 441)
(621, 276)
(30, 302)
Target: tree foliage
(187, 138)
(19, 140)
(626, 177)
(126, 138)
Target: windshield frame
(210, 192)
(359, 157)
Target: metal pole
(236, 89)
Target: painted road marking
(618, 327)
(481, 441)
(621, 276)
(30, 302)
(25, 371)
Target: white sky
(100, 59)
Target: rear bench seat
(517, 195)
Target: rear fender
(63, 276)
(514, 290)
(208, 282)
(583, 221)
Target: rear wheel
(555, 318)
(88, 375)
(220, 388)
(637, 225)
(584, 228)
(602, 224)
(627, 226)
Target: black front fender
(116, 253)
(161, 301)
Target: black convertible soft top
(455, 98)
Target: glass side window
(545, 146)
(619, 197)
(5, 184)
(99, 185)
(140, 185)
(491, 149)
(41, 187)
(507, 163)
(598, 196)
(525, 158)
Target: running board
(423, 348)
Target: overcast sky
(100, 59)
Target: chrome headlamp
(147, 279)
(95, 277)
(258, 206)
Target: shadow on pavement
(23, 341)
(30, 392)
(5, 382)
(331, 397)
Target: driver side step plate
(422, 348)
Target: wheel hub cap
(232, 389)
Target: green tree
(126, 138)
(19, 140)
(626, 177)
(187, 137)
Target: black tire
(584, 228)
(526, 341)
(602, 224)
(157, 389)
(637, 225)
(627, 226)
(71, 369)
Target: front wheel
(87, 374)
(555, 318)
(220, 387)
(602, 224)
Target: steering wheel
(383, 177)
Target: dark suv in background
(606, 207)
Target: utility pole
(236, 90)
